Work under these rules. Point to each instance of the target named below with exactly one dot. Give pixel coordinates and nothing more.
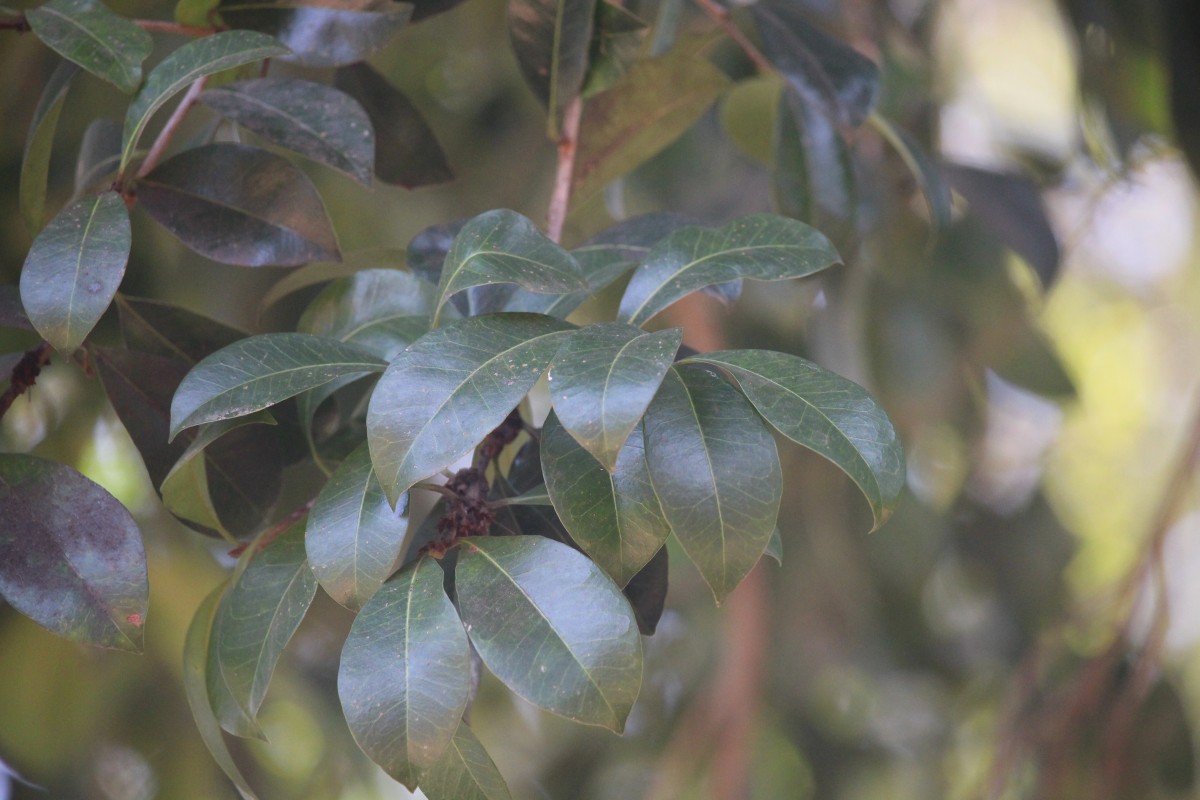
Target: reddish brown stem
(568, 143)
(277, 529)
(168, 132)
(24, 375)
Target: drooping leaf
(464, 772)
(171, 331)
(240, 205)
(502, 246)
(35, 162)
(260, 371)
(923, 169)
(354, 537)
(715, 469)
(616, 41)
(646, 110)
(647, 592)
(550, 625)
(406, 152)
(450, 388)
(763, 246)
(74, 268)
(71, 556)
(322, 35)
(323, 271)
(195, 685)
(826, 413)
(99, 155)
(614, 516)
(405, 674)
(602, 380)
(312, 119)
(814, 173)
(550, 39)
(380, 310)
(87, 33)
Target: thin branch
(168, 132)
(568, 143)
(721, 16)
(24, 375)
(18, 24)
(277, 529)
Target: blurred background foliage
(1024, 626)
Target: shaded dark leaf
(87, 33)
(322, 35)
(925, 172)
(428, 8)
(616, 42)
(647, 592)
(99, 155)
(464, 772)
(35, 161)
(550, 39)
(814, 174)
(323, 271)
(165, 329)
(12, 313)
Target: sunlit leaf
(550, 39)
(35, 161)
(240, 205)
(464, 772)
(405, 673)
(74, 268)
(71, 556)
(550, 625)
(87, 33)
(327, 35)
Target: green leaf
(924, 171)
(464, 772)
(71, 556)
(763, 246)
(614, 516)
(814, 171)
(616, 42)
(715, 469)
(774, 547)
(405, 674)
(537, 496)
(504, 247)
(260, 371)
(200, 13)
(354, 538)
(826, 413)
(323, 271)
(748, 116)
(87, 33)
(35, 162)
(450, 388)
(195, 685)
(254, 622)
(406, 152)
(311, 119)
(205, 56)
(380, 310)
(99, 155)
(647, 592)
(650, 107)
(171, 331)
(206, 435)
(550, 625)
(240, 205)
(602, 380)
(322, 36)
(74, 268)
(551, 39)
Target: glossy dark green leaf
(240, 205)
(504, 247)
(354, 537)
(427, 251)
(322, 35)
(814, 172)
(826, 413)
(715, 469)
(647, 592)
(924, 171)
(550, 625)
(550, 39)
(464, 772)
(74, 268)
(450, 388)
(405, 674)
(603, 378)
(406, 151)
(87, 33)
(311, 119)
(210, 433)
(324, 271)
(171, 331)
(204, 56)
(614, 516)
(35, 161)
(71, 556)
(616, 43)
(650, 107)
(764, 247)
(254, 622)
(99, 155)
(380, 310)
(774, 547)
(195, 685)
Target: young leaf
(504, 247)
(550, 39)
(322, 35)
(35, 162)
(715, 469)
(195, 59)
(254, 622)
(551, 626)
(406, 152)
(613, 515)
(260, 371)
(602, 380)
(763, 246)
(74, 268)
(87, 33)
(464, 772)
(312, 119)
(71, 556)
(354, 537)
(405, 674)
(240, 205)
(451, 387)
(826, 413)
